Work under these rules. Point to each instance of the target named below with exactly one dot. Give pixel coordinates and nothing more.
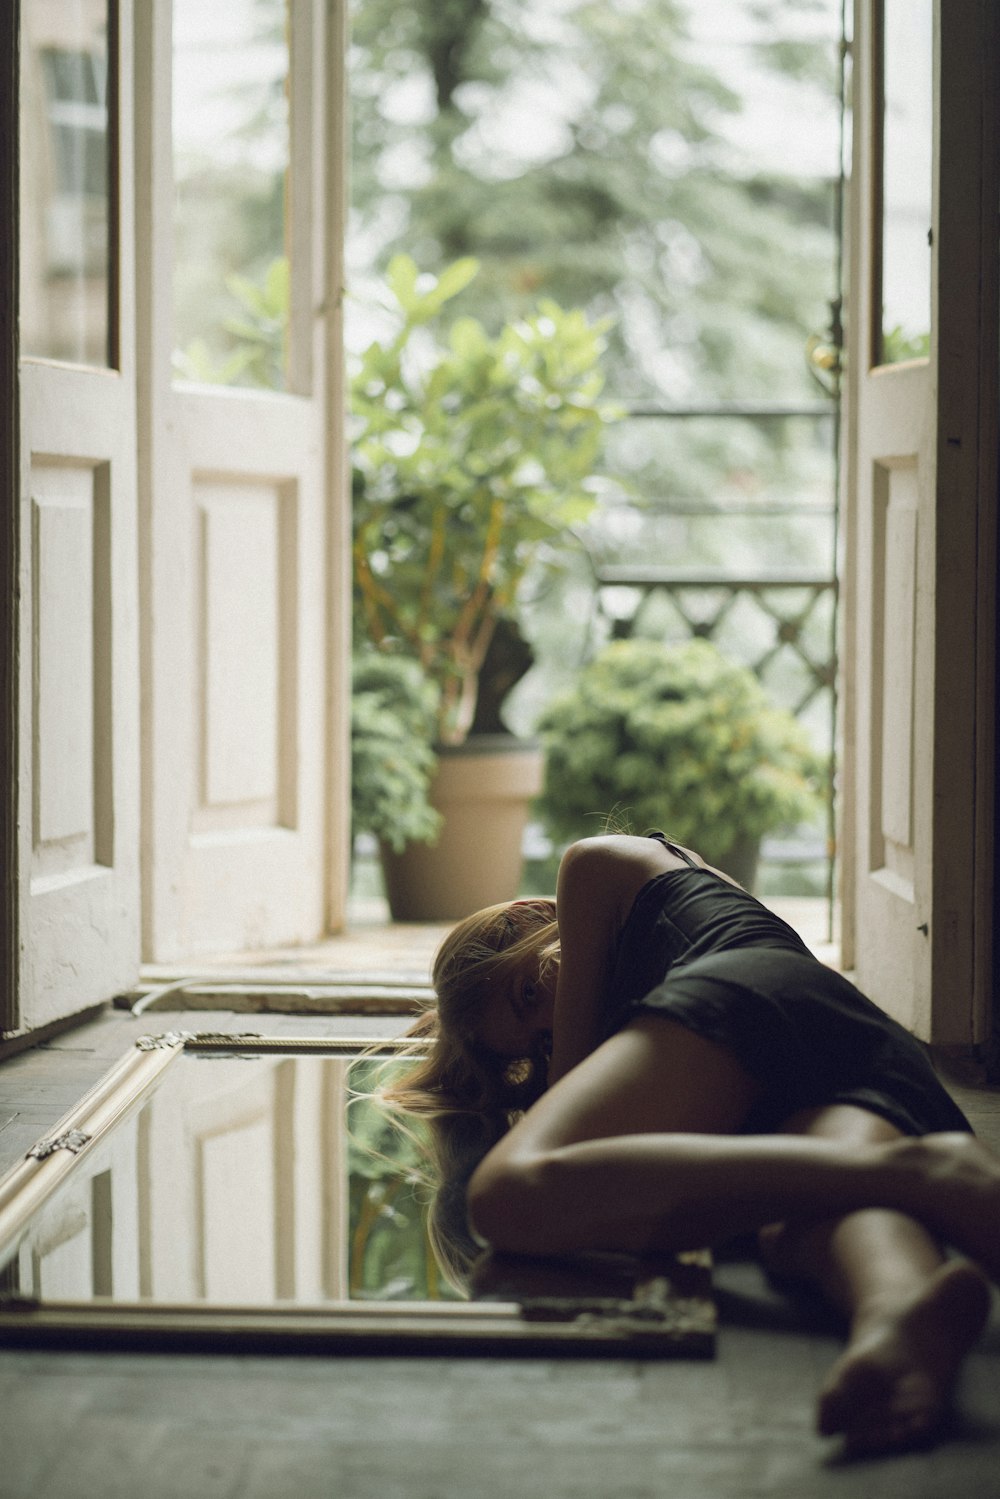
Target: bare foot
(891, 1388)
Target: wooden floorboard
(76, 1425)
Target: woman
(689, 1072)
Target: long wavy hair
(468, 1096)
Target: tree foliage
(471, 452)
(577, 150)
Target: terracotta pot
(483, 789)
(740, 863)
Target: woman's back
(684, 914)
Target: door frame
(969, 133)
(337, 479)
(10, 461)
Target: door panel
(893, 765)
(237, 523)
(246, 570)
(916, 902)
(78, 627)
(896, 498)
(247, 641)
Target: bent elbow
(504, 1204)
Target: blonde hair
(467, 1095)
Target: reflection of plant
(390, 1255)
(678, 738)
(259, 334)
(470, 454)
(393, 710)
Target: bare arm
(598, 880)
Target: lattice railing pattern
(779, 623)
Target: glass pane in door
(231, 146)
(907, 179)
(66, 191)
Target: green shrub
(678, 738)
(393, 714)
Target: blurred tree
(578, 151)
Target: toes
(875, 1414)
(896, 1434)
(893, 1434)
(850, 1398)
(832, 1414)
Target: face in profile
(517, 1019)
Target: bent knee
(506, 1202)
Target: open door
(919, 575)
(243, 504)
(77, 691)
(176, 604)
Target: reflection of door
(77, 697)
(920, 506)
(233, 481)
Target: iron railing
(794, 607)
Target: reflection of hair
(468, 1095)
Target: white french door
(239, 482)
(78, 688)
(921, 472)
(180, 637)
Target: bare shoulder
(607, 872)
(599, 879)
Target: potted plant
(677, 738)
(472, 455)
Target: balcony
(725, 528)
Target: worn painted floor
(74, 1426)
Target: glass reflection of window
(907, 171)
(65, 181)
(231, 146)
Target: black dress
(706, 954)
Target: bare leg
(621, 1154)
(912, 1316)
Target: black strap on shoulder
(674, 848)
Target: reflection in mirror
(907, 179)
(231, 146)
(65, 217)
(249, 1191)
(390, 1255)
(242, 1180)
